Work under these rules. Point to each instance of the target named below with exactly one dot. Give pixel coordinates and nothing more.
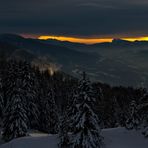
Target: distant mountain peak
(9, 35)
(12, 39)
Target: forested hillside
(60, 103)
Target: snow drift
(113, 138)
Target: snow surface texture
(113, 138)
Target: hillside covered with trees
(60, 103)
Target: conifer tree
(63, 132)
(145, 122)
(143, 109)
(1, 102)
(1, 99)
(133, 120)
(48, 113)
(145, 131)
(2, 71)
(72, 110)
(42, 103)
(20, 100)
(15, 117)
(44, 113)
(86, 132)
(53, 114)
(119, 115)
(30, 87)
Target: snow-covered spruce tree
(53, 114)
(30, 87)
(2, 70)
(1, 98)
(1, 102)
(15, 117)
(48, 113)
(42, 103)
(19, 92)
(63, 132)
(9, 79)
(133, 120)
(72, 110)
(145, 122)
(23, 71)
(86, 132)
(118, 113)
(44, 113)
(143, 109)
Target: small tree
(63, 132)
(145, 132)
(133, 120)
(119, 115)
(143, 109)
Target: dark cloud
(75, 17)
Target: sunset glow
(138, 39)
(76, 40)
(89, 40)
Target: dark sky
(83, 18)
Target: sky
(79, 19)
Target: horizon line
(89, 40)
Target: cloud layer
(85, 18)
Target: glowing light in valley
(89, 40)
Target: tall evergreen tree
(53, 114)
(48, 113)
(72, 109)
(42, 102)
(20, 100)
(86, 132)
(30, 87)
(2, 62)
(1, 98)
(1, 102)
(15, 117)
(45, 113)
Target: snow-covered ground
(113, 138)
(122, 138)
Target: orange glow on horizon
(89, 40)
(136, 39)
(76, 40)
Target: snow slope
(122, 138)
(32, 142)
(113, 138)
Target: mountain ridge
(117, 63)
